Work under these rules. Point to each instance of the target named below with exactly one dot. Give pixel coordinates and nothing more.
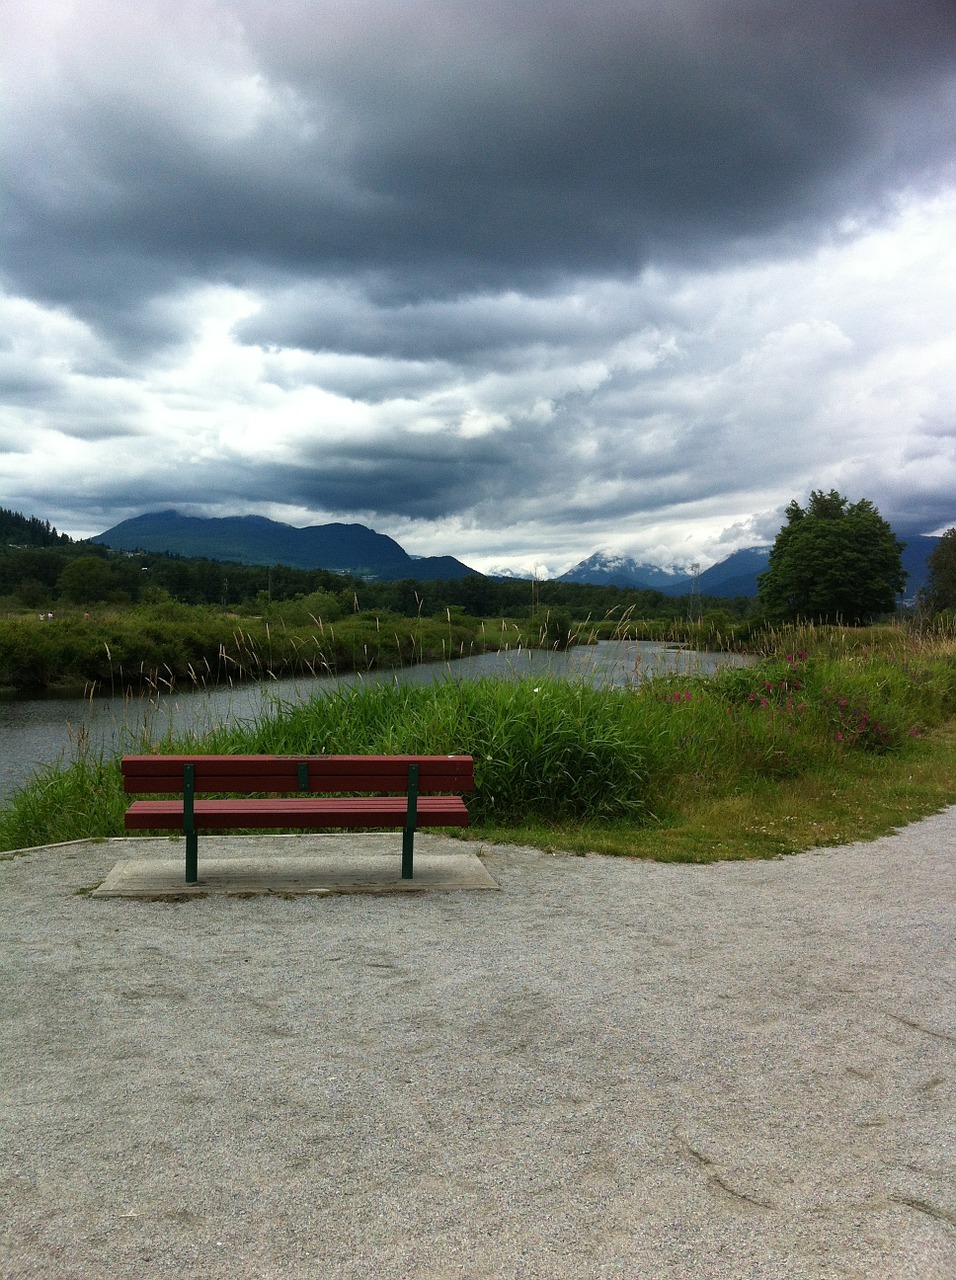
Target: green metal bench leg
(411, 821)
(189, 823)
(192, 858)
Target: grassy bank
(833, 736)
(173, 645)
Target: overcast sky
(511, 281)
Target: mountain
(919, 547)
(737, 575)
(611, 570)
(355, 549)
(343, 548)
(517, 575)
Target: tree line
(832, 561)
(52, 569)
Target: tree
(89, 580)
(940, 591)
(834, 561)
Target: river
(38, 731)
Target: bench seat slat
(304, 811)
(240, 774)
(244, 784)
(327, 764)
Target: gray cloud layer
(585, 273)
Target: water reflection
(37, 731)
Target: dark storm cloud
(422, 479)
(427, 149)
(578, 268)
(475, 330)
(397, 480)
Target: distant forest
(27, 531)
(40, 568)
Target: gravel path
(608, 1069)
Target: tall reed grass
(178, 646)
(541, 746)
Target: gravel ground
(608, 1069)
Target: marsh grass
(184, 647)
(542, 746)
(77, 798)
(832, 736)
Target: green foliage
(167, 644)
(555, 753)
(834, 561)
(91, 580)
(546, 747)
(81, 799)
(557, 629)
(304, 610)
(28, 531)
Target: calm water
(38, 731)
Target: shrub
(545, 748)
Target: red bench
(277, 792)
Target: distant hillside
(737, 575)
(254, 540)
(919, 547)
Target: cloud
(505, 281)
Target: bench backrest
(287, 774)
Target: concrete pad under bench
(316, 865)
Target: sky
(513, 282)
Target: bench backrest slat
(281, 774)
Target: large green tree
(833, 561)
(940, 592)
(92, 579)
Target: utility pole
(694, 609)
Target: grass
(833, 736)
(867, 798)
(181, 646)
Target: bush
(546, 748)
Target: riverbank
(171, 645)
(800, 750)
(607, 1068)
(39, 731)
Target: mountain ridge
(342, 548)
(735, 576)
(357, 550)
